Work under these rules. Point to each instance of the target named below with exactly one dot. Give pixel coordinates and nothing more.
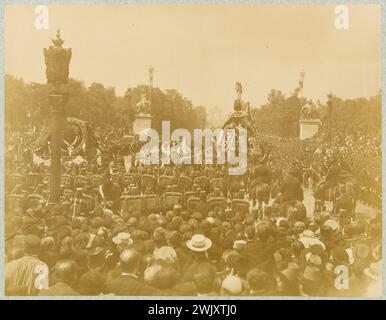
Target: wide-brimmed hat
(199, 243)
(123, 238)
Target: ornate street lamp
(151, 72)
(57, 60)
(330, 102)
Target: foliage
(359, 116)
(27, 104)
(280, 115)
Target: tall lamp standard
(329, 110)
(151, 72)
(57, 60)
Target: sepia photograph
(206, 151)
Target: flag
(301, 79)
(239, 88)
(151, 71)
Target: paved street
(362, 211)
(309, 202)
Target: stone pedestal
(308, 128)
(142, 121)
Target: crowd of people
(188, 230)
(361, 153)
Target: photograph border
(4, 3)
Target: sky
(203, 49)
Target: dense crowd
(186, 230)
(362, 155)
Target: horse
(259, 193)
(234, 184)
(343, 194)
(293, 211)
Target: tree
(16, 101)
(78, 100)
(101, 102)
(280, 115)
(200, 113)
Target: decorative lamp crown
(57, 60)
(58, 41)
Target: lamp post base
(308, 128)
(57, 114)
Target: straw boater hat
(199, 243)
(123, 238)
(309, 239)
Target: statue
(143, 116)
(241, 108)
(242, 117)
(309, 112)
(309, 121)
(143, 106)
